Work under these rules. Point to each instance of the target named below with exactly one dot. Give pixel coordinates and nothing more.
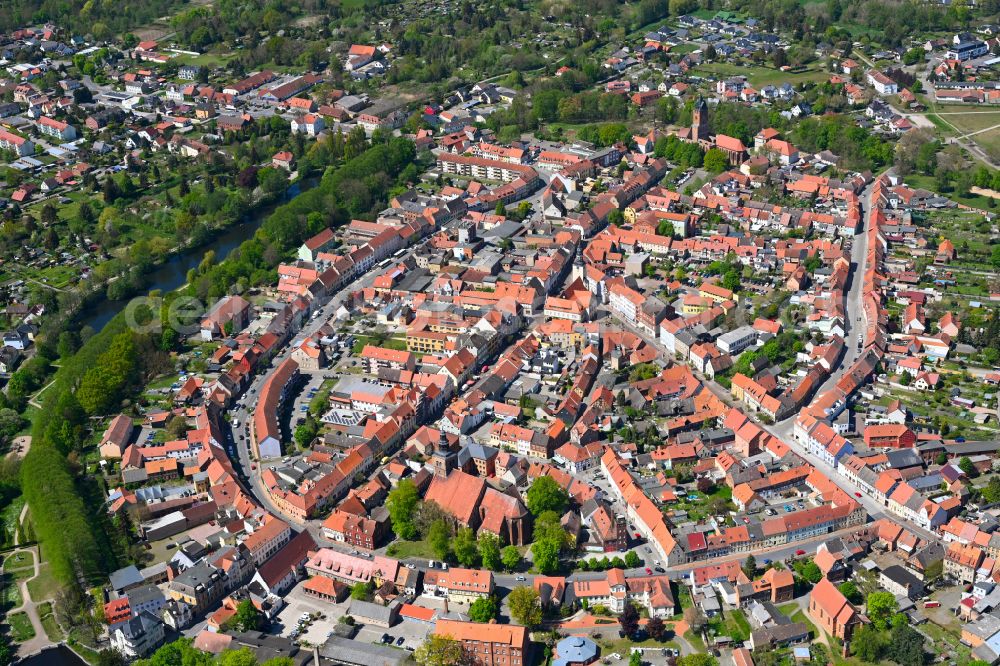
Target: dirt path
(29, 607)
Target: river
(172, 273)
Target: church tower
(443, 460)
(579, 270)
(699, 120)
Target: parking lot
(316, 632)
(413, 634)
(297, 603)
(310, 382)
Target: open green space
(405, 549)
(695, 640)
(761, 76)
(20, 627)
(45, 585)
(927, 183)
(22, 559)
(389, 343)
(49, 624)
(968, 118)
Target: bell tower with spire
(699, 120)
(443, 460)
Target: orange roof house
(830, 610)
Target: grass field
(761, 76)
(963, 119)
(967, 117)
(210, 60)
(23, 559)
(989, 142)
(402, 550)
(49, 624)
(45, 586)
(389, 343)
(20, 627)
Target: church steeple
(699, 120)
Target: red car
(857, 494)
(800, 552)
(649, 572)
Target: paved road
(855, 316)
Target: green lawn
(45, 586)
(761, 76)
(19, 560)
(968, 118)
(402, 550)
(209, 60)
(796, 614)
(20, 627)
(694, 640)
(389, 343)
(48, 618)
(946, 639)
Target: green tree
(489, 550)
(881, 606)
(545, 555)
(306, 432)
(439, 537)
(402, 506)
(362, 591)
(811, 572)
(716, 161)
(241, 657)
(439, 651)
(247, 617)
(510, 556)
(750, 567)
(632, 559)
(111, 657)
(525, 606)
(850, 591)
(545, 494)
(465, 547)
(484, 609)
(967, 467)
(867, 644)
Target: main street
(854, 325)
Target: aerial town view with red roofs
(688, 355)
